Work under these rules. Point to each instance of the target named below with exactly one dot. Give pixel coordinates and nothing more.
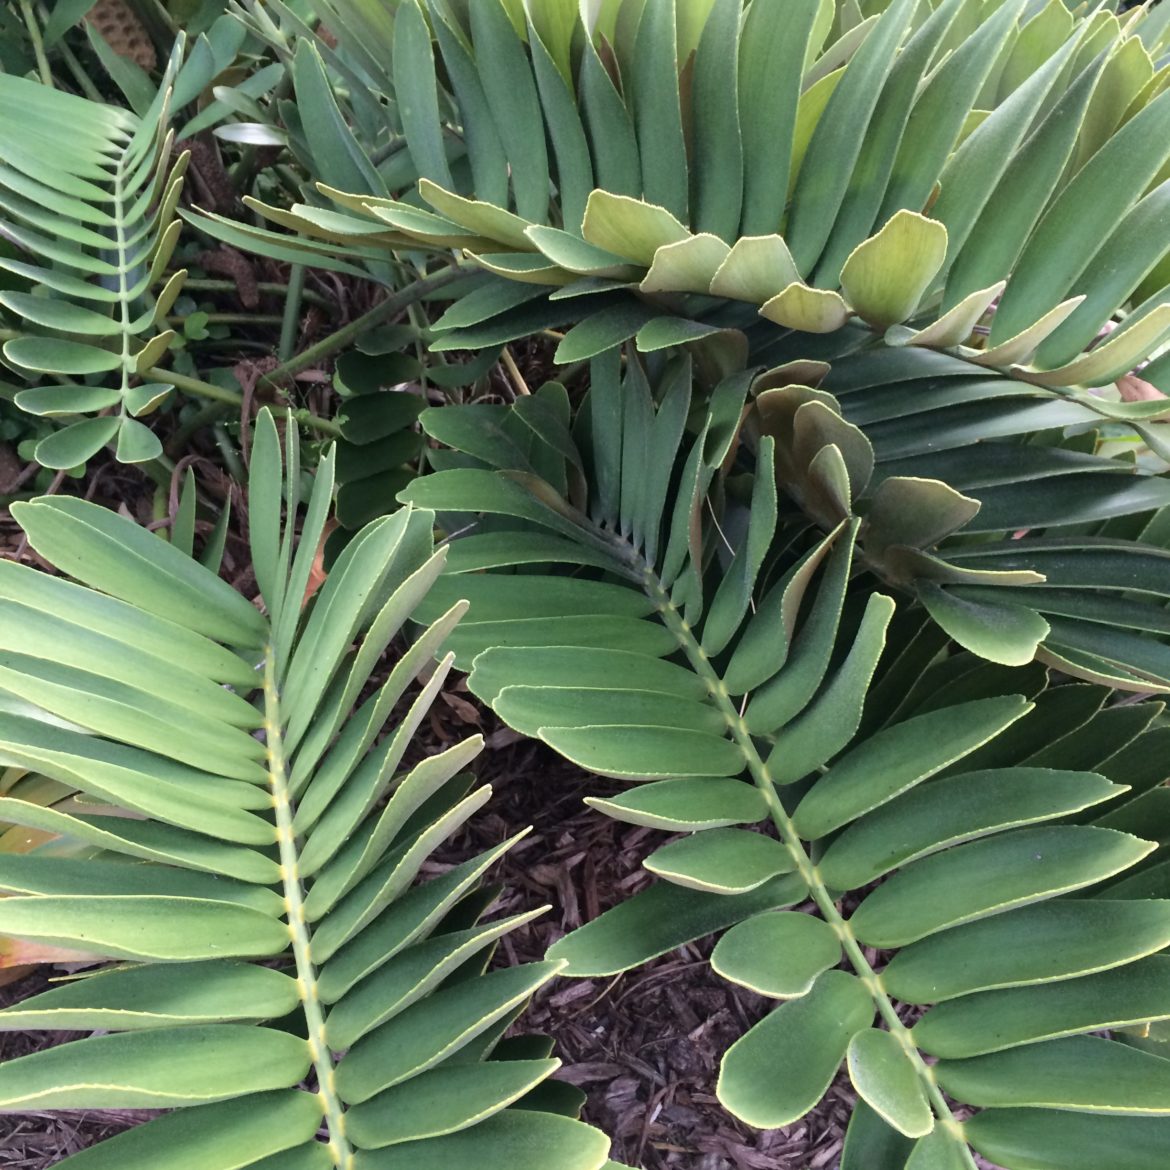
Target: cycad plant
(94, 227)
(274, 971)
(822, 595)
(647, 601)
(988, 179)
(926, 213)
(833, 550)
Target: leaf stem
(38, 44)
(74, 66)
(382, 311)
(323, 426)
(340, 1151)
(518, 384)
(194, 386)
(292, 311)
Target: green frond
(95, 226)
(684, 625)
(1013, 547)
(984, 179)
(379, 441)
(201, 797)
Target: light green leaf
(1085, 1073)
(582, 667)
(137, 443)
(836, 141)
(953, 809)
(617, 166)
(915, 512)
(157, 928)
(788, 693)
(818, 1026)
(1058, 1139)
(73, 445)
(156, 1068)
(630, 228)
(895, 759)
(228, 1135)
(956, 325)
(411, 917)
(146, 839)
(886, 275)
(526, 267)
(685, 805)
(655, 103)
(113, 554)
(577, 255)
(1118, 355)
(721, 861)
(433, 1029)
(780, 954)
(941, 1149)
(56, 314)
(416, 90)
(1014, 869)
(444, 1100)
(763, 648)
(688, 266)
(483, 219)
(808, 310)
(872, 1144)
(829, 723)
(531, 709)
(756, 269)
(948, 96)
(566, 132)
(158, 997)
(991, 1021)
(518, 1139)
(410, 975)
(51, 401)
(1088, 208)
(512, 97)
(659, 919)
(884, 1075)
(776, 38)
(717, 179)
(645, 753)
(999, 631)
(1036, 944)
